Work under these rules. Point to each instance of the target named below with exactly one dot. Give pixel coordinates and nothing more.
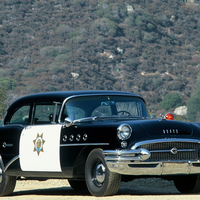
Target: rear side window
(21, 115)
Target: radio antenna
(73, 53)
(74, 74)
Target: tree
(3, 105)
(171, 100)
(193, 107)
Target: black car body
(95, 139)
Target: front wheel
(188, 184)
(100, 181)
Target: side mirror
(68, 121)
(153, 116)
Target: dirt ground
(148, 189)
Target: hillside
(149, 47)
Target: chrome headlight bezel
(124, 132)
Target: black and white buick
(95, 140)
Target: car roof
(60, 96)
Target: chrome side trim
(1, 168)
(164, 140)
(126, 155)
(1, 164)
(84, 144)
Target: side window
(21, 116)
(43, 113)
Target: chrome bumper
(132, 162)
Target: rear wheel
(7, 184)
(78, 185)
(188, 184)
(100, 181)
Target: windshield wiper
(95, 118)
(87, 119)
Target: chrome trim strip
(1, 168)
(1, 164)
(11, 161)
(164, 140)
(178, 150)
(126, 155)
(84, 144)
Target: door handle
(4, 145)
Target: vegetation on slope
(150, 47)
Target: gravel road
(148, 189)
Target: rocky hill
(150, 47)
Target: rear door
(14, 124)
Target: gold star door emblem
(38, 143)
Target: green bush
(51, 51)
(171, 100)
(112, 11)
(141, 20)
(78, 2)
(148, 38)
(130, 62)
(8, 83)
(3, 105)
(100, 12)
(151, 27)
(63, 29)
(62, 58)
(32, 89)
(106, 26)
(13, 2)
(40, 70)
(57, 67)
(4, 72)
(29, 73)
(193, 107)
(50, 87)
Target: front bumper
(133, 162)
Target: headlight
(124, 132)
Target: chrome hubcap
(100, 173)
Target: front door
(40, 148)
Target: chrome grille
(162, 151)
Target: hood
(167, 128)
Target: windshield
(104, 106)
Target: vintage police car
(95, 139)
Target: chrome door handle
(4, 145)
